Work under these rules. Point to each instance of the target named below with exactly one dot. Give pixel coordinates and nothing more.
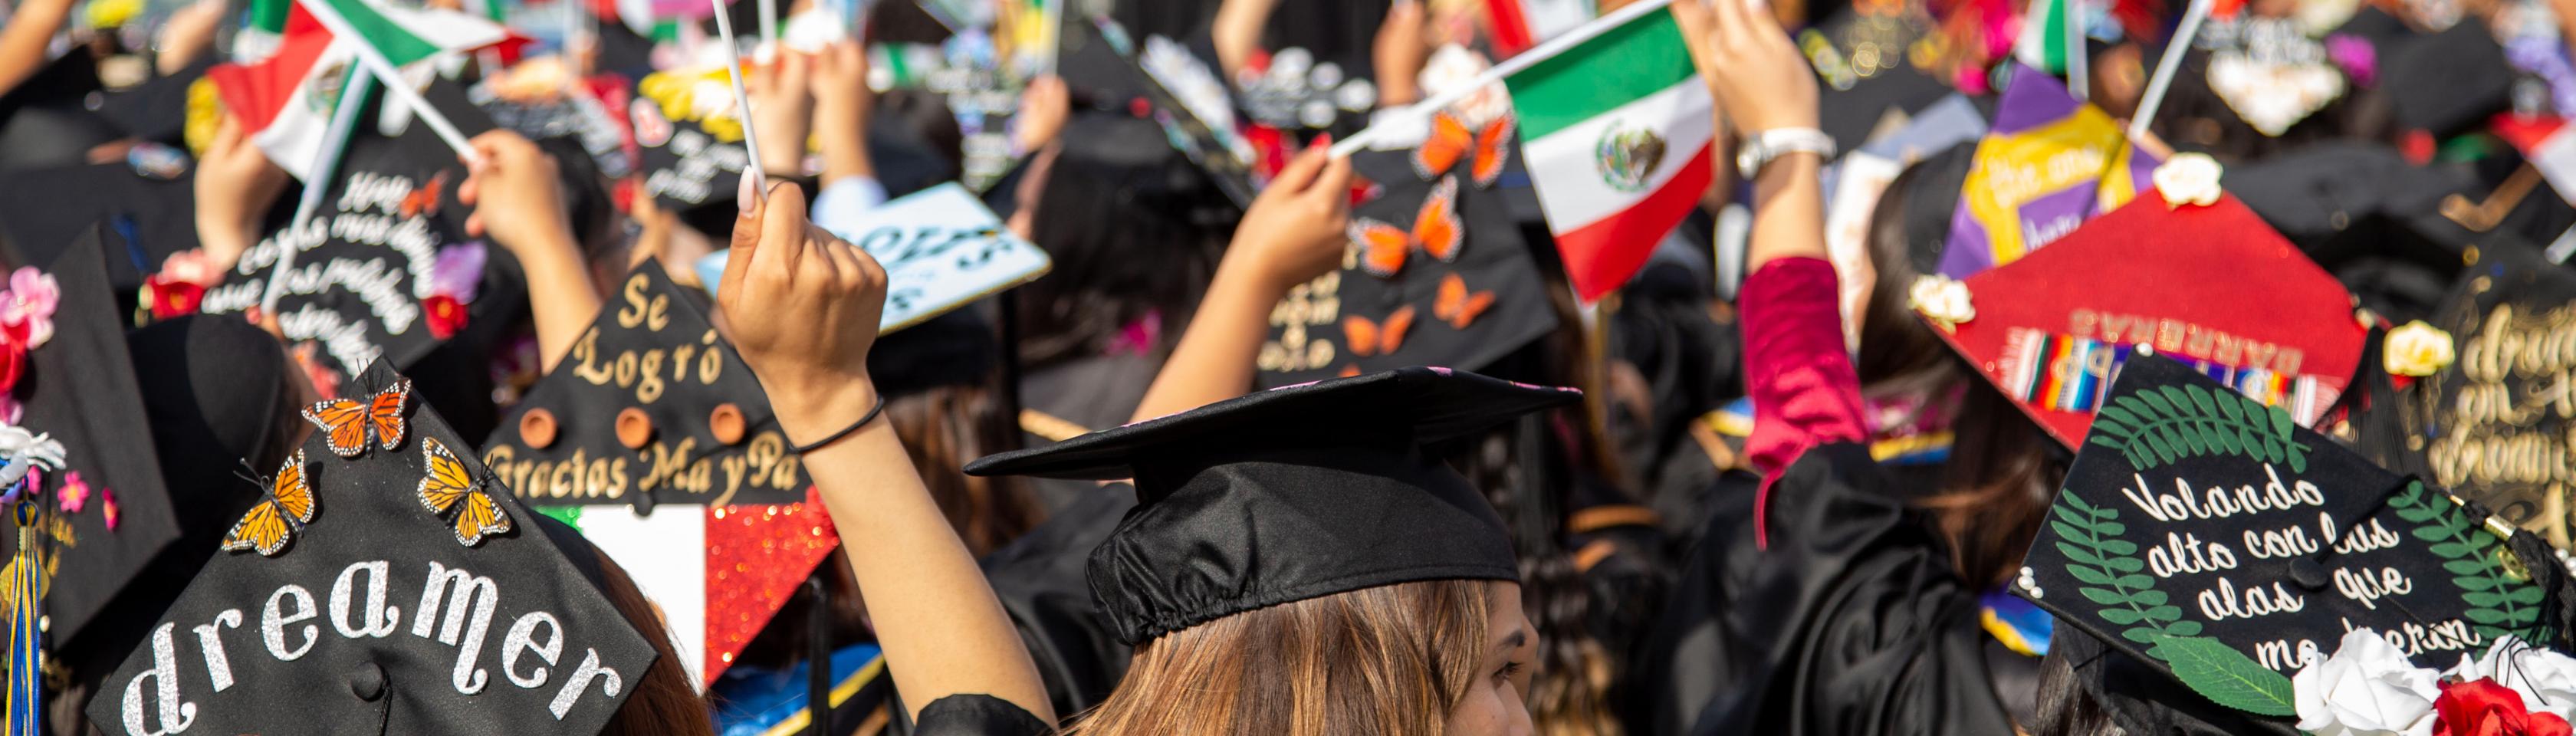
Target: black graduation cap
(1114, 80)
(152, 211)
(956, 348)
(45, 120)
(79, 388)
(691, 156)
(2365, 214)
(373, 617)
(2209, 539)
(1290, 494)
(1866, 72)
(1463, 313)
(648, 401)
(157, 109)
(2448, 82)
(390, 217)
(2498, 314)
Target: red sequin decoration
(756, 556)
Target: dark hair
(589, 208)
(1121, 254)
(1994, 489)
(942, 427)
(664, 702)
(2065, 707)
(927, 113)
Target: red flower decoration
(13, 363)
(171, 297)
(445, 315)
(2481, 707)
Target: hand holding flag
(1754, 72)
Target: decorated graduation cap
(2488, 369)
(1290, 494)
(2049, 163)
(2198, 278)
(2274, 75)
(1436, 274)
(393, 275)
(655, 441)
(2218, 569)
(400, 590)
(147, 200)
(690, 137)
(1865, 60)
(104, 510)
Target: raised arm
(1292, 234)
(23, 42)
(1236, 32)
(943, 631)
(518, 203)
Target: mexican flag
(1616, 132)
(286, 100)
(2042, 43)
(715, 573)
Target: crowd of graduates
(2067, 367)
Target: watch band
(1760, 149)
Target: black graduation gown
(977, 715)
(1040, 581)
(1853, 621)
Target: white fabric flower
(2546, 680)
(2188, 178)
(2368, 688)
(1943, 300)
(2416, 349)
(23, 450)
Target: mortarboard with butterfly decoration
(655, 441)
(386, 582)
(1436, 273)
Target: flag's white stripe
(300, 130)
(667, 555)
(1564, 166)
(2555, 157)
(446, 29)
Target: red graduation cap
(2209, 285)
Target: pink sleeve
(1804, 390)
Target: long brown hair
(663, 703)
(942, 427)
(1392, 660)
(1994, 490)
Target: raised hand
(819, 300)
(1755, 73)
(235, 185)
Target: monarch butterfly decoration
(424, 201)
(447, 486)
(1436, 231)
(347, 422)
(1457, 306)
(273, 522)
(1367, 338)
(1484, 149)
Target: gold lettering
(651, 375)
(2081, 322)
(585, 354)
(633, 313)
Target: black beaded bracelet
(845, 431)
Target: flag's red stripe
(256, 94)
(1511, 32)
(1601, 256)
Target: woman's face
(1493, 706)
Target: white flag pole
(2155, 95)
(317, 182)
(384, 69)
(768, 30)
(1518, 62)
(741, 99)
(2078, 80)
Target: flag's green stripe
(569, 515)
(269, 15)
(399, 45)
(1638, 58)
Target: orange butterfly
(347, 420)
(270, 524)
(1368, 338)
(1451, 142)
(448, 486)
(424, 201)
(1436, 230)
(1458, 307)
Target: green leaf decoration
(2226, 676)
(2110, 574)
(2157, 426)
(2498, 603)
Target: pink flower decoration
(10, 409)
(27, 308)
(107, 505)
(458, 271)
(75, 493)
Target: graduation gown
(1852, 622)
(977, 715)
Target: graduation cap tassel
(26, 679)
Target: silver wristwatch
(1760, 148)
